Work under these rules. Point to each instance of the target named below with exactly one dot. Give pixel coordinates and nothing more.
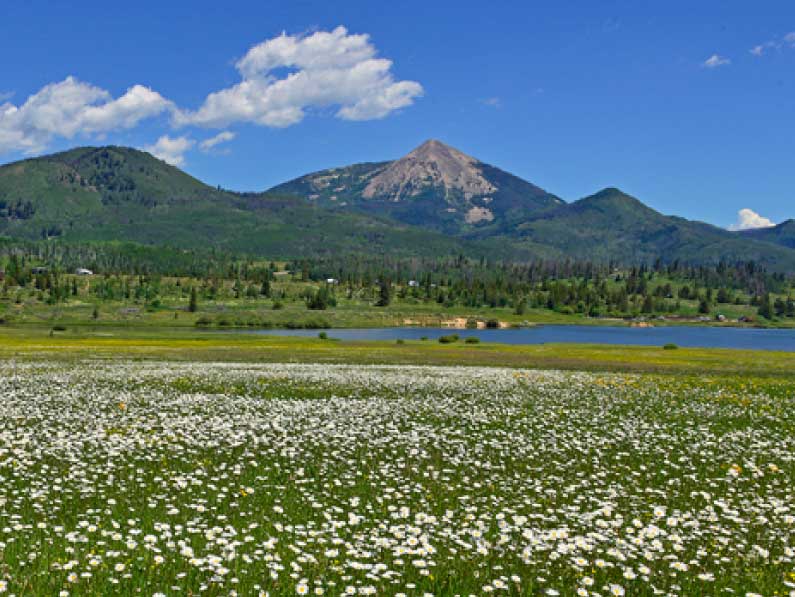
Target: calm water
(706, 337)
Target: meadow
(143, 476)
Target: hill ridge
(108, 193)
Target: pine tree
(648, 304)
(765, 307)
(384, 295)
(193, 304)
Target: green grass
(24, 307)
(192, 345)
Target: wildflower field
(154, 478)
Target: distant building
(332, 281)
(413, 283)
(81, 271)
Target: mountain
(434, 186)
(434, 201)
(613, 225)
(118, 193)
(783, 234)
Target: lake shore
(187, 344)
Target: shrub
(59, 328)
(323, 336)
(316, 324)
(448, 339)
(203, 321)
(400, 341)
(277, 305)
(492, 324)
(670, 346)
(472, 340)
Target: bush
(670, 346)
(320, 300)
(424, 338)
(277, 305)
(59, 328)
(400, 341)
(323, 336)
(492, 324)
(472, 340)
(203, 321)
(449, 339)
(316, 324)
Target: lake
(691, 336)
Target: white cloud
(72, 107)
(758, 50)
(493, 102)
(748, 219)
(327, 68)
(715, 61)
(775, 44)
(223, 137)
(171, 150)
(6, 95)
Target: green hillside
(116, 193)
(614, 225)
(422, 206)
(782, 234)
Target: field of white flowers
(124, 478)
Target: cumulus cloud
(779, 43)
(223, 137)
(748, 219)
(715, 61)
(325, 69)
(281, 80)
(73, 107)
(171, 149)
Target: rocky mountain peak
(431, 165)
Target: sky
(688, 106)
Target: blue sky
(688, 106)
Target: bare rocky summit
(432, 165)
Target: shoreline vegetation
(68, 286)
(105, 342)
